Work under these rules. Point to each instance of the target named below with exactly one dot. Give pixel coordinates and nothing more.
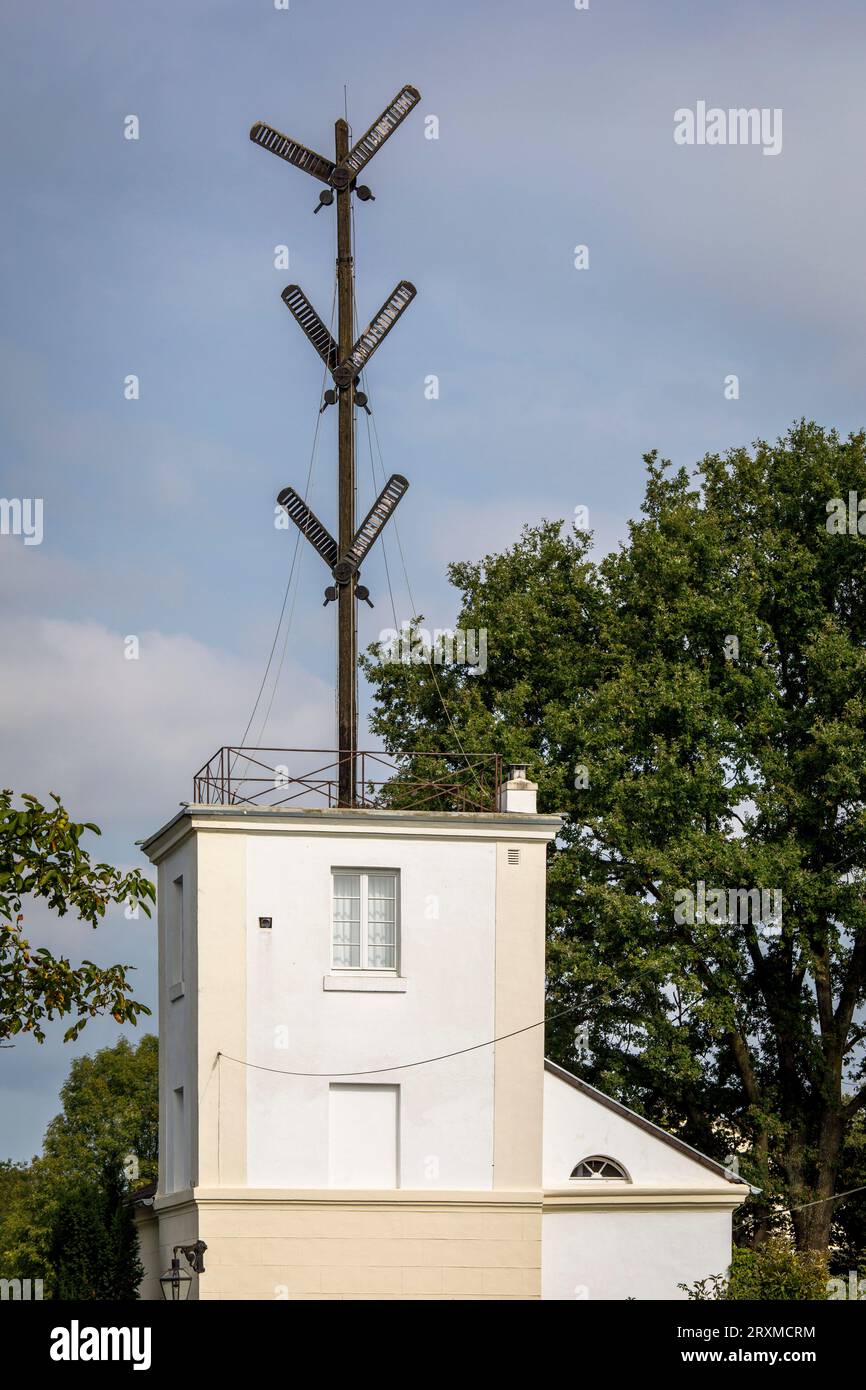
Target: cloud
(157, 258)
(120, 739)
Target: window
(600, 1167)
(364, 931)
(179, 1176)
(175, 931)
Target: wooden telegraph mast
(345, 359)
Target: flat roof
(344, 814)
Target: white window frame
(621, 1176)
(364, 969)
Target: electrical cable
(404, 1066)
(295, 553)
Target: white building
(335, 1119)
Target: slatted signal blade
(378, 328)
(292, 151)
(304, 314)
(375, 519)
(363, 150)
(306, 521)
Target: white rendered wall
(295, 1024)
(631, 1254)
(638, 1251)
(176, 1024)
(576, 1127)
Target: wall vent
(514, 856)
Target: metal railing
(237, 776)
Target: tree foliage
(41, 856)
(63, 1218)
(695, 704)
(93, 1245)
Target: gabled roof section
(141, 1195)
(644, 1124)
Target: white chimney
(517, 793)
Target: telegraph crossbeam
(345, 359)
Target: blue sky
(156, 257)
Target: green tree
(41, 856)
(16, 1185)
(64, 1219)
(848, 1232)
(696, 705)
(93, 1246)
(110, 1112)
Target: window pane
(381, 922)
(347, 920)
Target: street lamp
(176, 1282)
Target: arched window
(598, 1166)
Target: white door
(364, 1143)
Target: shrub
(773, 1272)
